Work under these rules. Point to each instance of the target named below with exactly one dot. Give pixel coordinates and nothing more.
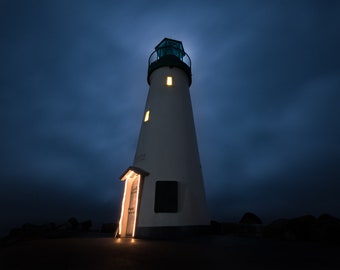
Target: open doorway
(129, 211)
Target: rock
(301, 228)
(250, 218)
(276, 230)
(327, 229)
(328, 219)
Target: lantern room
(170, 53)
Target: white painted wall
(167, 149)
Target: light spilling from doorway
(136, 206)
(129, 209)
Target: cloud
(264, 93)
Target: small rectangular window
(147, 116)
(166, 197)
(169, 81)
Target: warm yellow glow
(169, 81)
(136, 206)
(128, 175)
(122, 210)
(132, 180)
(147, 116)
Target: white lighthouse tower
(164, 191)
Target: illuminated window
(169, 81)
(147, 116)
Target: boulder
(250, 218)
(301, 228)
(276, 230)
(327, 229)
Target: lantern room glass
(170, 47)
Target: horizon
(265, 97)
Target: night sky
(265, 94)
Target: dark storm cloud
(60, 107)
(265, 97)
(273, 97)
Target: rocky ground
(304, 242)
(205, 252)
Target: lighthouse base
(171, 232)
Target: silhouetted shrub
(74, 223)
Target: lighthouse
(164, 192)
